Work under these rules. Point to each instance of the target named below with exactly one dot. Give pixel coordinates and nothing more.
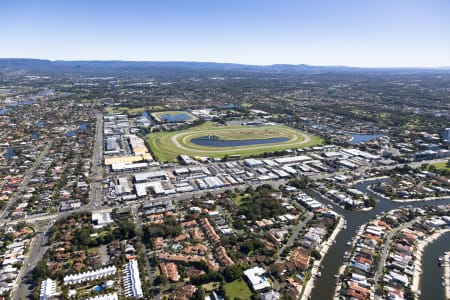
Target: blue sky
(374, 33)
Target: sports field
(166, 146)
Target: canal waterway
(211, 141)
(4, 110)
(9, 153)
(325, 285)
(362, 138)
(430, 284)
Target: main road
(97, 164)
(39, 246)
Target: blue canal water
(362, 138)
(14, 104)
(70, 133)
(175, 118)
(9, 153)
(214, 142)
(40, 124)
(430, 284)
(83, 126)
(333, 260)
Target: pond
(70, 133)
(9, 153)
(83, 126)
(362, 138)
(40, 124)
(97, 288)
(211, 141)
(174, 118)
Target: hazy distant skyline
(380, 33)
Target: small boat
(348, 243)
(336, 275)
(440, 258)
(319, 275)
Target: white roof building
(292, 159)
(48, 289)
(256, 278)
(112, 296)
(131, 280)
(90, 275)
(251, 162)
(101, 219)
(141, 188)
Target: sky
(363, 33)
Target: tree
(232, 273)
(199, 294)
(41, 270)
(316, 254)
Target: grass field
(211, 286)
(238, 289)
(166, 146)
(441, 166)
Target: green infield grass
(166, 146)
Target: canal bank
(325, 285)
(430, 282)
(323, 252)
(446, 266)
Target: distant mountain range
(150, 67)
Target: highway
(97, 164)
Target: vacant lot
(238, 289)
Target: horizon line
(229, 63)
